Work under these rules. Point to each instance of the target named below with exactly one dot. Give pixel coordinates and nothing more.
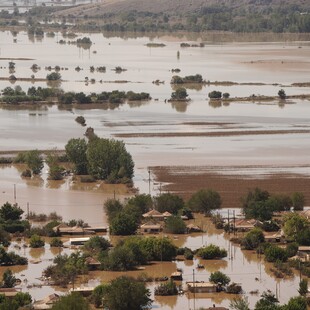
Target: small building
(304, 252)
(64, 229)
(177, 275)
(201, 287)
(274, 237)
(153, 214)
(78, 241)
(243, 225)
(92, 263)
(166, 214)
(84, 291)
(193, 228)
(9, 292)
(46, 303)
(151, 228)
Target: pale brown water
(49, 127)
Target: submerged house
(46, 303)
(201, 287)
(243, 225)
(151, 228)
(153, 214)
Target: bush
(54, 76)
(253, 239)
(166, 289)
(175, 225)
(211, 252)
(219, 278)
(56, 242)
(215, 95)
(274, 253)
(36, 242)
(234, 288)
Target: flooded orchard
(237, 139)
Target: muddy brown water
(47, 127)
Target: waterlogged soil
(186, 145)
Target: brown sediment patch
(6, 58)
(184, 181)
(209, 134)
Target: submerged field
(229, 147)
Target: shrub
(36, 242)
(166, 289)
(56, 242)
(211, 252)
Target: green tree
(282, 94)
(169, 202)
(274, 253)
(298, 201)
(294, 224)
(112, 207)
(219, 278)
(123, 224)
(215, 95)
(303, 287)
(175, 225)
(9, 212)
(36, 242)
(134, 295)
(8, 279)
(34, 161)
(143, 202)
(166, 289)
(253, 239)
(211, 252)
(54, 76)
(268, 301)
(109, 160)
(240, 304)
(205, 201)
(97, 244)
(179, 94)
(296, 303)
(56, 242)
(76, 151)
(72, 301)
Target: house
(193, 228)
(244, 224)
(304, 252)
(9, 292)
(64, 229)
(151, 228)
(166, 214)
(201, 287)
(78, 241)
(46, 303)
(306, 214)
(177, 276)
(84, 291)
(154, 214)
(274, 237)
(92, 263)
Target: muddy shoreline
(184, 181)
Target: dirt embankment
(184, 181)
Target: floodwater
(279, 142)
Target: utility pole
(194, 285)
(28, 210)
(15, 193)
(149, 171)
(228, 222)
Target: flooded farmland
(264, 141)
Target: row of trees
(260, 204)
(16, 95)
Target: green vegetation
(36, 242)
(282, 94)
(273, 253)
(211, 251)
(179, 94)
(168, 202)
(219, 278)
(215, 94)
(73, 300)
(205, 201)
(187, 79)
(175, 225)
(253, 239)
(303, 287)
(134, 251)
(10, 220)
(56, 242)
(54, 76)
(11, 259)
(104, 159)
(166, 289)
(134, 295)
(261, 205)
(240, 304)
(66, 268)
(19, 301)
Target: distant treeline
(17, 95)
(266, 17)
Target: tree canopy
(205, 201)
